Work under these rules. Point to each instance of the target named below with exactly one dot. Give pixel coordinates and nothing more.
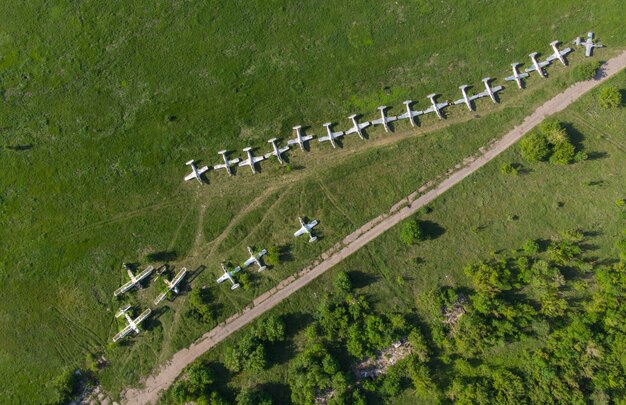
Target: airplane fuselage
(277, 153)
(468, 102)
(436, 107)
(251, 162)
(227, 165)
(357, 127)
(536, 65)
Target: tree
(531, 247)
(272, 258)
(586, 70)
(342, 282)
(563, 153)
(609, 97)
(534, 147)
(271, 329)
(198, 302)
(508, 168)
(253, 397)
(411, 232)
(199, 378)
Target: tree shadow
(162, 256)
(194, 274)
(432, 230)
(284, 253)
(20, 148)
(362, 279)
(575, 136)
(597, 155)
(279, 392)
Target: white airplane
(171, 285)
(195, 172)
(306, 228)
(251, 160)
(299, 139)
(227, 163)
(228, 275)
(468, 99)
(558, 54)
(255, 259)
(537, 65)
(588, 44)
(435, 107)
(331, 135)
(134, 280)
(133, 324)
(410, 114)
(491, 91)
(384, 120)
(356, 127)
(276, 151)
(517, 76)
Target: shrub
(534, 147)
(508, 168)
(586, 70)
(411, 233)
(531, 247)
(609, 97)
(273, 256)
(563, 154)
(342, 282)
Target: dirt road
(353, 242)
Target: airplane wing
(530, 69)
(203, 169)
(551, 57)
(392, 118)
(509, 78)
(223, 278)
(544, 63)
(123, 288)
(566, 51)
(442, 105)
(233, 161)
(300, 231)
(179, 276)
(496, 89)
(351, 131)
(190, 176)
(311, 224)
(144, 273)
(261, 253)
(143, 316)
(260, 158)
(244, 162)
(459, 101)
(484, 93)
(249, 262)
(429, 110)
(161, 297)
(283, 149)
(294, 141)
(377, 122)
(588, 47)
(121, 334)
(222, 166)
(323, 138)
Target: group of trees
(199, 305)
(550, 142)
(250, 352)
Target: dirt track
(353, 242)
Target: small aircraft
(228, 275)
(517, 76)
(384, 119)
(299, 139)
(467, 99)
(588, 44)
(537, 65)
(331, 135)
(276, 151)
(491, 91)
(251, 160)
(227, 163)
(410, 114)
(356, 127)
(306, 228)
(255, 259)
(134, 280)
(133, 324)
(435, 107)
(195, 172)
(171, 286)
(558, 54)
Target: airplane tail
(235, 286)
(262, 268)
(312, 239)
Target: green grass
(472, 221)
(109, 100)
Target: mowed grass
(102, 105)
(488, 213)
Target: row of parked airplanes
(384, 120)
(172, 285)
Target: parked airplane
(227, 163)
(299, 139)
(517, 76)
(384, 119)
(331, 135)
(588, 44)
(228, 275)
(255, 259)
(171, 286)
(356, 127)
(134, 280)
(306, 228)
(195, 172)
(410, 114)
(491, 91)
(133, 324)
(558, 54)
(537, 65)
(435, 107)
(276, 151)
(468, 99)
(251, 160)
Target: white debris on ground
(324, 396)
(374, 366)
(454, 312)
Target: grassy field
(102, 104)
(489, 213)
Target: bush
(342, 282)
(586, 70)
(411, 233)
(508, 168)
(534, 147)
(198, 302)
(273, 256)
(563, 153)
(531, 247)
(609, 97)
